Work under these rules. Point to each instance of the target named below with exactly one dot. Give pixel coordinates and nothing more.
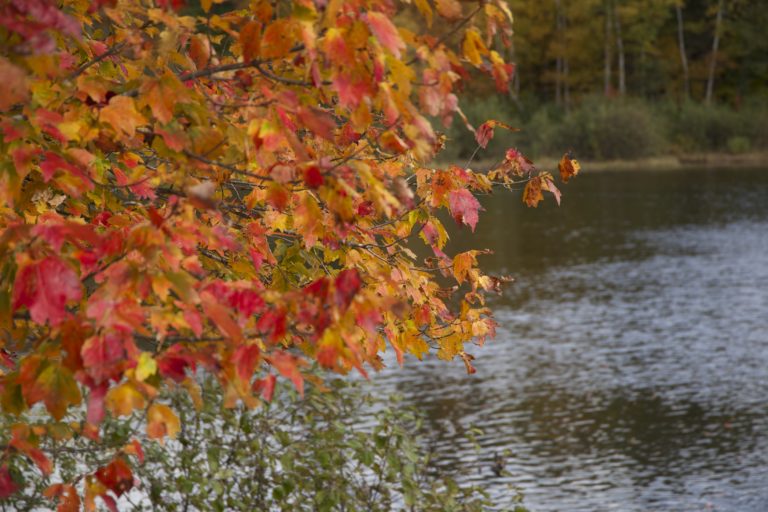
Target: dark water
(630, 369)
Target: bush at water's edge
(614, 129)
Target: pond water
(630, 368)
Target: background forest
(630, 79)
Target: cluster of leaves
(333, 449)
(228, 190)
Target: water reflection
(630, 371)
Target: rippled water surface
(630, 369)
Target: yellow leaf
(425, 9)
(146, 366)
(473, 47)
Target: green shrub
(694, 127)
(317, 453)
(601, 128)
(738, 144)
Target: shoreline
(659, 163)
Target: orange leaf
(122, 115)
(123, 399)
(568, 168)
(69, 500)
(250, 40)
(199, 51)
(462, 263)
(162, 422)
(278, 39)
(13, 86)
(532, 194)
(450, 9)
(220, 316)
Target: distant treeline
(709, 51)
(624, 79)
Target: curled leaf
(568, 168)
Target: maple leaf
(122, 115)
(549, 185)
(116, 476)
(473, 47)
(464, 207)
(484, 133)
(450, 9)
(385, 31)
(532, 193)
(8, 485)
(250, 40)
(103, 356)
(221, 317)
(568, 168)
(45, 287)
(57, 388)
(13, 86)
(272, 323)
(462, 263)
(347, 285)
(265, 386)
(246, 358)
(289, 367)
(67, 496)
(313, 177)
(122, 400)
(318, 121)
(162, 422)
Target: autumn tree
(230, 189)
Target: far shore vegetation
(613, 133)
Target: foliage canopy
(232, 190)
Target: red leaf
(464, 207)
(288, 366)
(173, 363)
(385, 31)
(45, 288)
(7, 485)
(266, 386)
(95, 414)
(272, 323)
(246, 357)
(317, 121)
(347, 285)
(484, 133)
(103, 356)
(116, 476)
(313, 178)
